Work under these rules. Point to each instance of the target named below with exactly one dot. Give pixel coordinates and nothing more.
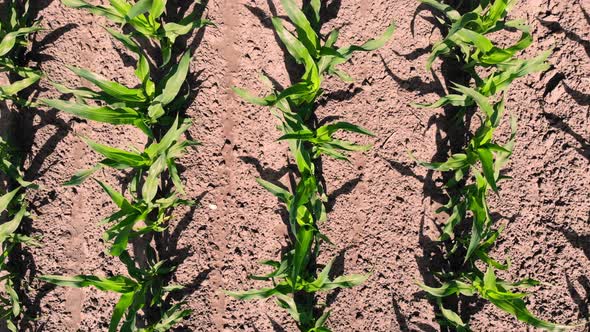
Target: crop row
(471, 175)
(157, 107)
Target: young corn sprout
(294, 278)
(477, 171)
(155, 107)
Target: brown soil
(382, 204)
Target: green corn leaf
(247, 96)
(117, 198)
(172, 317)
(497, 11)
(120, 156)
(169, 139)
(279, 272)
(82, 176)
(496, 148)
(478, 206)
(332, 38)
(306, 34)
(150, 187)
(441, 48)
(498, 113)
(480, 99)
(304, 239)
(122, 238)
(487, 161)
(489, 261)
(454, 219)
(320, 322)
(295, 47)
(8, 228)
(330, 129)
(345, 77)
(519, 310)
(304, 134)
(522, 283)
(277, 191)
(478, 40)
(456, 161)
(174, 82)
(18, 86)
(314, 16)
(259, 294)
(328, 151)
(109, 12)
(288, 303)
(370, 45)
(321, 279)
(119, 115)
(348, 281)
(174, 30)
(140, 7)
(113, 89)
(450, 99)
(452, 317)
(126, 40)
(7, 198)
(10, 39)
(450, 288)
(118, 284)
(121, 307)
(302, 158)
(158, 8)
(121, 6)
(346, 146)
(173, 171)
(80, 93)
(449, 11)
(519, 68)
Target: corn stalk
(295, 278)
(477, 171)
(15, 30)
(155, 107)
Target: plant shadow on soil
(329, 11)
(583, 302)
(450, 138)
(432, 259)
(26, 124)
(559, 122)
(556, 27)
(167, 242)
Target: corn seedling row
(155, 107)
(295, 278)
(15, 30)
(477, 172)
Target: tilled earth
(382, 204)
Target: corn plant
(295, 278)
(155, 106)
(146, 18)
(477, 171)
(15, 29)
(13, 209)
